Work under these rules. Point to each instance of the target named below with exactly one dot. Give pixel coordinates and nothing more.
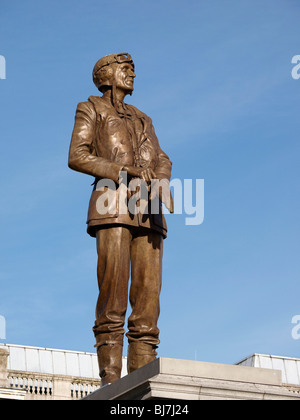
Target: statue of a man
(110, 139)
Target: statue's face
(124, 76)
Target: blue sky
(215, 77)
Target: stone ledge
(191, 380)
(12, 394)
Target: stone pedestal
(191, 380)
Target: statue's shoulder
(93, 106)
(86, 108)
(99, 104)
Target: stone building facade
(34, 373)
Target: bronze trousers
(122, 250)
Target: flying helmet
(106, 61)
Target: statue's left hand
(162, 190)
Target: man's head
(114, 70)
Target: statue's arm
(163, 168)
(163, 173)
(82, 157)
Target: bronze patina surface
(110, 139)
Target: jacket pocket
(103, 204)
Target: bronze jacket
(102, 145)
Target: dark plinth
(191, 380)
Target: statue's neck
(119, 95)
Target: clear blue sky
(215, 77)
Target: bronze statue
(110, 139)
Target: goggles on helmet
(112, 58)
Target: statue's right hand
(147, 174)
(132, 171)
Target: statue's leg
(113, 247)
(146, 278)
